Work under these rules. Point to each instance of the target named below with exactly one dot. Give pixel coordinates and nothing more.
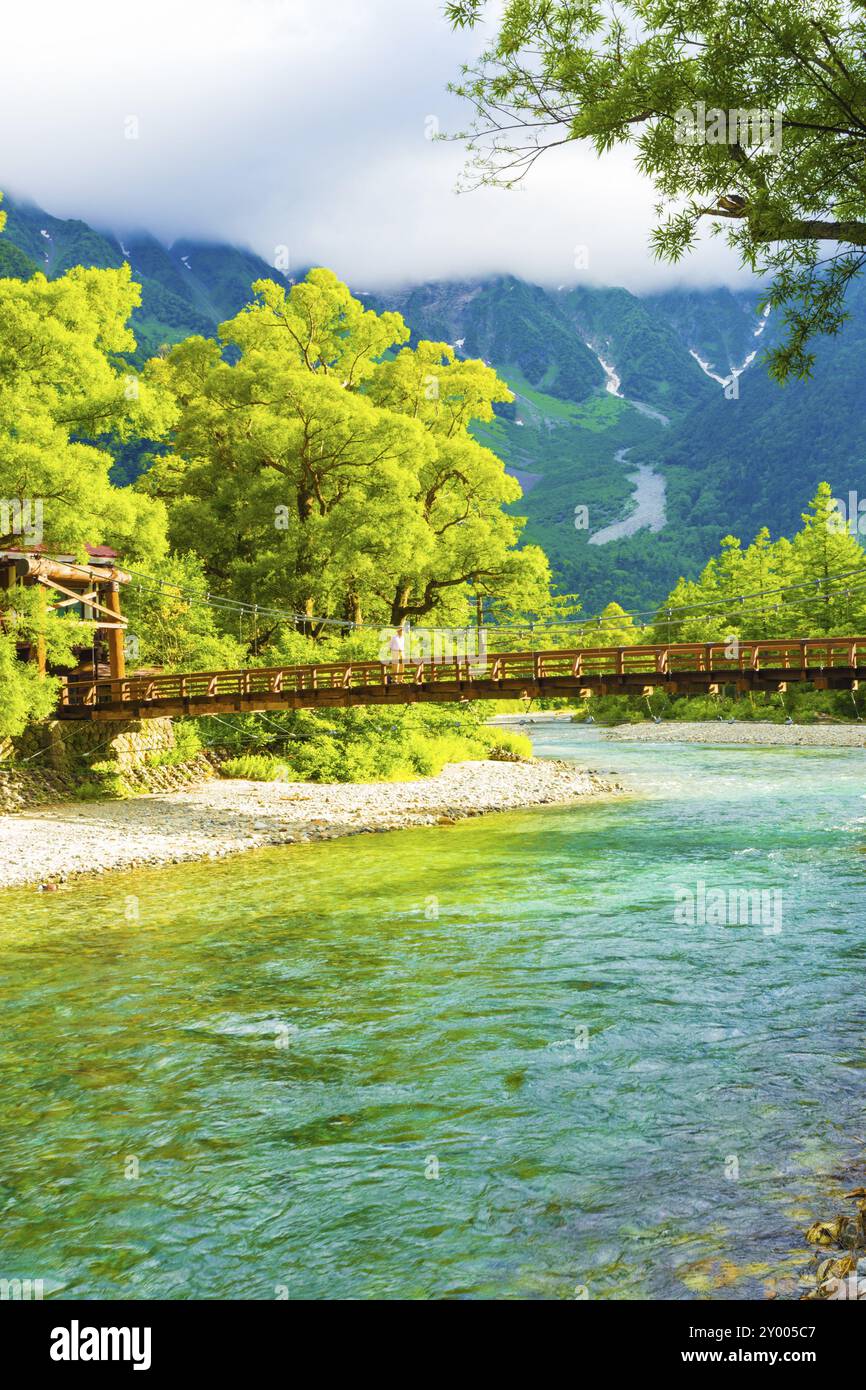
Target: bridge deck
(681, 668)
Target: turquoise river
(482, 1060)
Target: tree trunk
(400, 606)
(304, 576)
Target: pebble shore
(766, 735)
(221, 817)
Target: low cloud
(295, 123)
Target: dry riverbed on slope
(224, 817)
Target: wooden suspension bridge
(684, 668)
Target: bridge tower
(90, 590)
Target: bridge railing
(803, 655)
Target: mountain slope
(504, 321)
(722, 326)
(642, 343)
(736, 465)
(188, 288)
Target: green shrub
(363, 744)
(801, 703)
(318, 760)
(90, 791)
(505, 743)
(108, 781)
(428, 755)
(256, 767)
(365, 762)
(186, 745)
(186, 740)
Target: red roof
(97, 552)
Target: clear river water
(481, 1060)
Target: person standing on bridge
(398, 650)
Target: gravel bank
(776, 735)
(220, 818)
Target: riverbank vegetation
(800, 706)
(368, 745)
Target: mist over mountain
(643, 429)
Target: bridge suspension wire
(661, 615)
(664, 617)
(667, 617)
(662, 610)
(235, 606)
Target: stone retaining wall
(171, 778)
(51, 762)
(68, 746)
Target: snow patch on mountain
(763, 323)
(747, 361)
(613, 381)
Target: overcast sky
(302, 123)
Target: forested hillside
(189, 288)
(741, 464)
(603, 380)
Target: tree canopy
(63, 384)
(323, 467)
(783, 588)
(749, 117)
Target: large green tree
(323, 468)
(63, 384)
(785, 170)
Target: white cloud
(302, 123)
